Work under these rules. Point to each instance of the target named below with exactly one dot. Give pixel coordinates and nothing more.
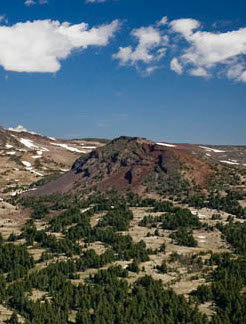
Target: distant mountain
(26, 157)
(138, 165)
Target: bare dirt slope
(133, 164)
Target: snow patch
(8, 146)
(27, 164)
(11, 153)
(69, 148)
(20, 129)
(44, 149)
(194, 212)
(37, 173)
(85, 210)
(211, 149)
(166, 144)
(230, 162)
(30, 168)
(90, 147)
(28, 143)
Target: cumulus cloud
(184, 26)
(189, 48)
(150, 48)
(39, 46)
(176, 66)
(209, 51)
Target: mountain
(139, 165)
(104, 248)
(26, 157)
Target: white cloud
(95, 1)
(195, 51)
(163, 21)
(30, 3)
(199, 71)
(149, 50)
(39, 46)
(176, 66)
(150, 69)
(184, 26)
(209, 51)
(3, 19)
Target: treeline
(228, 203)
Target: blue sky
(166, 71)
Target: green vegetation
(15, 260)
(162, 268)
(75, 277)
(184, 237)
(181, 218)
(228, 203)
(118, 219)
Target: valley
(133, 220)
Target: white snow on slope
(44, 149)
(230, 162)
(30, 168)
(8, 146)
(90, 147)
(36, 172)
(196, 212)
(211, 149)
(166, 144)
(27, 164)
(20, 129)
(11, 153)
(69, 148)
(28, 143)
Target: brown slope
(131, 163)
